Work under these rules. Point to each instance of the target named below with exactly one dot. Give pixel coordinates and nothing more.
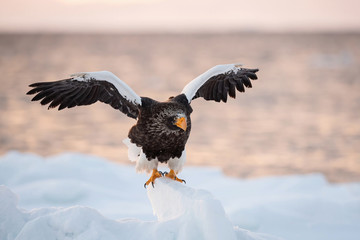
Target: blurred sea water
(301, 116)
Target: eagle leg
(173, 176)
(155, 174)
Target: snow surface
(75, 196)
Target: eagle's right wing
(87, 88)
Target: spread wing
(219, 82)
(85, 89)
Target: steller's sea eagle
(162, 128)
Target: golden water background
(301, 116)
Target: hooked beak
(181, 123)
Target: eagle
(162, 128)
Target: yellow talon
(173, 176)
(155, 174)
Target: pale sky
(178, 15)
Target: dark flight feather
(69, 93)
(218, 87)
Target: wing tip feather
(224, 82)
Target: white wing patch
(122, 87)
(191, 88)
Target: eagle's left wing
(219, 81)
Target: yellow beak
(181, 123)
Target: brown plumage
(162, 128)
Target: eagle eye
(171, 119)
